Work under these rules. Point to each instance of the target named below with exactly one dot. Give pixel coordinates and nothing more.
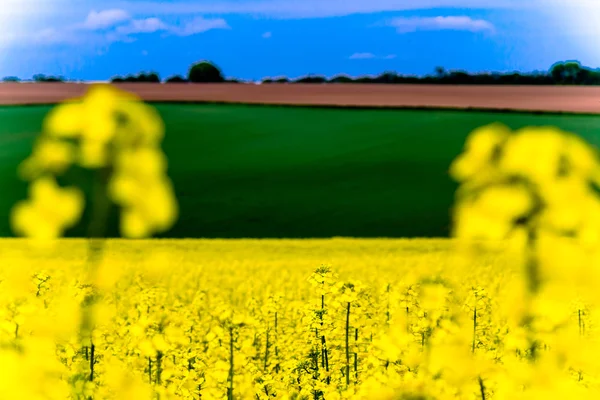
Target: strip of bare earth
(561, 99)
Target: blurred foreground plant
(537, 180)
(114, 134)
(118, 137)
(539, 187)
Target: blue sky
(253, 39)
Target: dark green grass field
(260, 171)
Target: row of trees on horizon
(561, 73)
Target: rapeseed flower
(108, 130)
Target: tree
(11, 79)
(149, 78)
(143, 77)
(176, 79)
(205, 72)
(557, 72)
(282, 79)
(388, 77)
(459, 78)
(44, 78)
(440, 72)
(572, 72)
(312, 79)
(569, 72)
(341, 79)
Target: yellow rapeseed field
(506, 310)
(191, 318)
(284, 319)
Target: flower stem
(347, 345)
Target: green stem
(481, 388)
(267, 349)
(474, 329)
(230, 377)
(276, 347)
(532, 272)
(92, 361)
(347, 345)
(355, 356)
(96, 231)
(100, 214)
(159, 356)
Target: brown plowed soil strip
(527, 98)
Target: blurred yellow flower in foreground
(49, 212)
(480, 148)
(92, 117)
(536, 178)
(115, 133)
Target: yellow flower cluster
(119, 136)
(49, 211)
(540, 186)
(255, 320)
(534, 179)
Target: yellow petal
(102, 98)
(70, 206)
(28, 221)
(133, 225)
(160, 205)
(146, 119)
(54, 155)
(44, 189)
(534, 152)
(505, 201)
(145, 162)
(100, 127)
(65, 120)
(479, 149)
(93, 154)
(22, 216)
(582, 156)
(124, 189)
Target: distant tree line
(561, 73)
(36, 78)
(147, 78)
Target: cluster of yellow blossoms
(118, 136)
(400, 321)
(539, 188)
(537, 178)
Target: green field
(259, 171)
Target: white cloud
(115, 25)
(148, 25)
(367, 56)
(199, 25)
(361, 56)
(460, 23)
(266, 35)
(104, 19)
